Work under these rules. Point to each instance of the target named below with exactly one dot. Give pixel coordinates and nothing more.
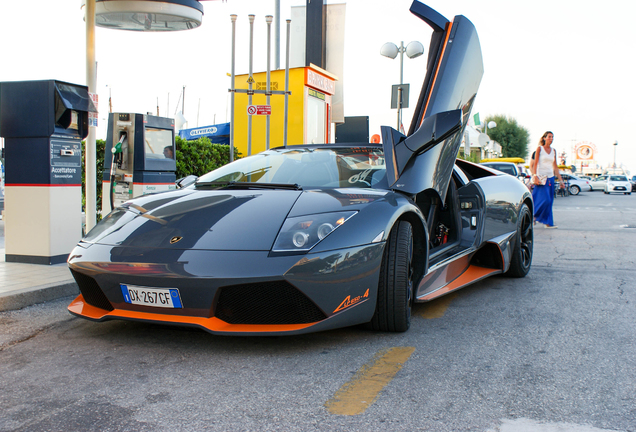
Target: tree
(200, 156)
(514, 138)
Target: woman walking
(543, 168)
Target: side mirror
(186, 181)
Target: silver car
(576, 184)
(599, 182)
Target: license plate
(156, 297)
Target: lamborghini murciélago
(307, 238)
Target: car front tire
(395, 289)
(521, 259)
(574, 190)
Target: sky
(561, 65)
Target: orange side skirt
(472, 274)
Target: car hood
(246, 220)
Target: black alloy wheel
(395, 288)
(522, 252)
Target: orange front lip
(81, 308)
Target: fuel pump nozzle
(117, 150)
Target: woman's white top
(545, 163)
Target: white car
(618, 183)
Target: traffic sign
(259, 110)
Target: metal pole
(249, 87)
(233, 18)
(277, 34)
(91, 80)
(286, 86)
(183, 102)
(399, 113)
(399, 126)
(268, 19)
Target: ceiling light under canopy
(148, 15)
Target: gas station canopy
(148, 15)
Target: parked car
(308, 238)
(633, 181)
(599, 182)
(619, 184)
(576, 184)
(512, 169)
(507, 167)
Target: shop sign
(320, 82)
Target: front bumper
(232, 292)
(620, 188)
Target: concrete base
(40, 294)
(33, 259)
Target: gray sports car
(309, 238)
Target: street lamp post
(413, 49)
(615, 145)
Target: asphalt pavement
(552, 352)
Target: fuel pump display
(141, 149)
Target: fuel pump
(43, 124)
(142, 158)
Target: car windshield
(618, 178)
(305, 167)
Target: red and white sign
(320, 82)
(259, 110)
(92, 116)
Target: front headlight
(300, 234)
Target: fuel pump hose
(115, 150)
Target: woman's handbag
(542, 179)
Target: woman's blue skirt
(543, 197)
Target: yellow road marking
(437, 308)
(362, 390)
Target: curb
(39, 294)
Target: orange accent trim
(348, 302)
(439, 64)
(80, 307)
(472, 274)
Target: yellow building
(309, 109)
